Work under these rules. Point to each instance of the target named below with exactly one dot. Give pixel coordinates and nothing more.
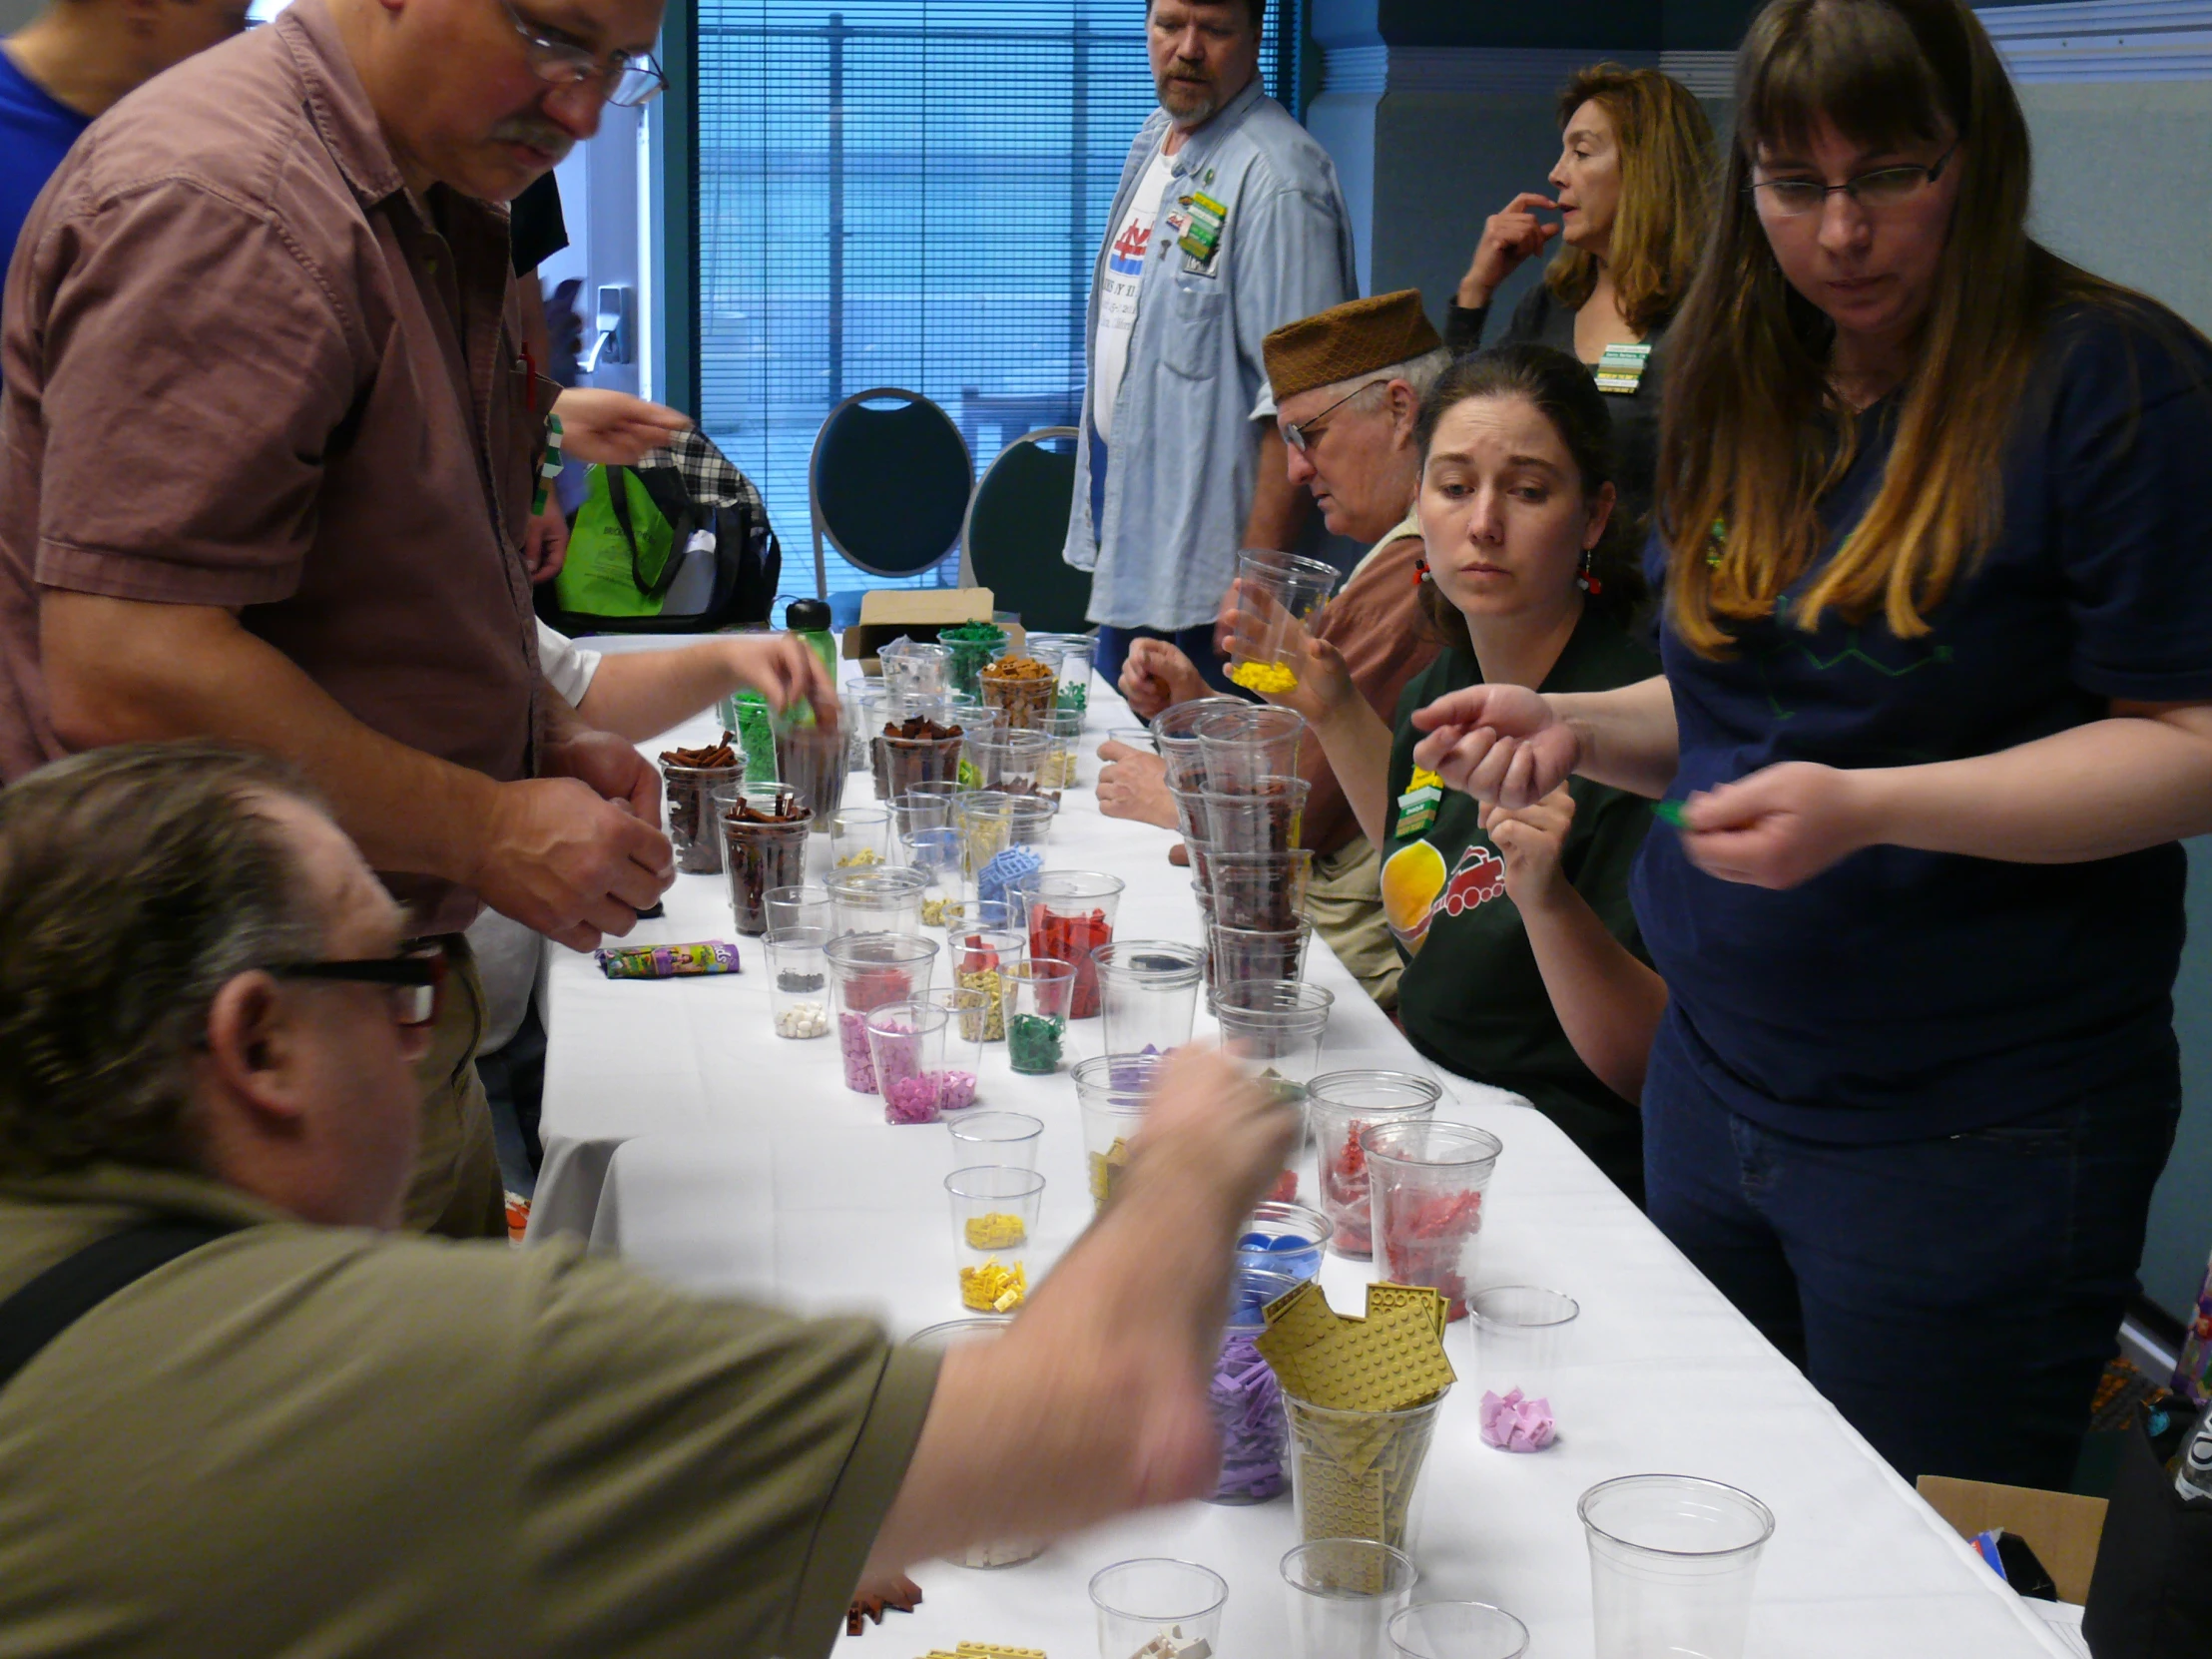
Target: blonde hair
(1666, 147)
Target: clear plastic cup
(864, 719)
(811, 761)
(1457, 1630)
(971, 1011)
(1340, 1105)
(1023, 687)
(1242, 954)
(994, 1221)
(982, 816)
(1264, 891)
(1202, 855)
(1077, 654)
(962, 1332)
(1007, 1139)
(1344, 1593)
(972, 913)
(1113, 1093)
(758, 859)
(877, 900)
(797, 981)
(924, 758)
(1070, 915)
(1672, 1560)
(1064, 767)
(869, 972)
(1139, 1600)
(1190, 813)
(1261, 815)
(1013, 762)
(906, 1043)
(1254, 741)
(1029, 820)
(1175, 735)
(911, 666)
(1276, 1024)
(789, 908)
(975, 720)
(1425, 1186)
(1356, 1473)
(920, 806)
(1272, 591)
(1148, 993)
(1285, 1237)
(1247, 1400)
(934, 854)
(694, 827)
(1522, 1334)
(972, 644)
(860, 837)
(1020, 892)
(1037, 993)
(980, 957)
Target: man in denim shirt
(1228, 222)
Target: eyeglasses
(1299, 434)
(632, 79)
(415, 980)
(1884, 187)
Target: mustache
(538, 135)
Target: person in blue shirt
(1935, 711)
(69, 63)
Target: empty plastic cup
(877, 900)
(1340, 1105)
(1175, 735)
(1457, 1630)
(1148, 993)
(1344, 1594)
(1007, 1139)
(1012, 761)
(1672, 1560)
(1037, 995)
(994, 1222)
(959, 1332)
(911, 666)
(920, 806)
(797, 981)
(1139, 1600)
(789, 908)
(1425, 1186)
(1256, 741)
(1275, 1024)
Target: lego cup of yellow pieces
(1112, 1093)
(994, 1218)
(1276, 595)
(1362, 1397)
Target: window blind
(903, 192)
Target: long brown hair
(1745, 446)
(1564, 394)
(1666, 149)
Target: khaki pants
(1345, 905)
(456, 1189)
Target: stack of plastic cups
(915, 666)
(869, 972)
(798, 982)
(907, 1047)
(1237, 746)
(1238, 954)
(935, 855)
(1036, 999)
(1255, 815)
(1341, 1106)
(980, 957)
(1148, 995)
(1112, 1093)
(1175, 735)
(1426, 1183)
(694, 827)
(1262, 891)
(1276, 1024)
(758, 859)
(976, 1328)
(877, 901)
(1272, 591)
(1071, 913)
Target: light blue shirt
(1180, 476)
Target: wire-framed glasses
(631, 79)
(1884, 187)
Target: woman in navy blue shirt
(1937, 709)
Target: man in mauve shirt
(270, 443)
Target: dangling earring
(1585, 581)
(1421, 572)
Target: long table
(682, 1133)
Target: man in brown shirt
(1348, 386)
(270, 444)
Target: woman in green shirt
(1524, 965)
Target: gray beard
(1177, 98)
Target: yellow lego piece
(985, 1650)
(1392, 1359)
(1265, 678)
(996, 1231)
(1106, 1171)
(993, 1287)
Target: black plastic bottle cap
(807, 616)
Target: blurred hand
(1260, 628)
(1157, 676)
(613, 767)
(1500, 744)
(1529, 840)
(1134, 784)
(545, 543)
(1511, 238)
(1779, 827)
(575, 867)
(1213, 1131)
(612, 427)
(784, 669)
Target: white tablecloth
(682, 1132)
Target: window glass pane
(969, 150)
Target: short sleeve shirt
(1903, 994)
(1471, 997)
(246, 367)
(349, 1444)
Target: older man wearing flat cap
(1348, 383)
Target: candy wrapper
(1513, 1422)
(667, 961)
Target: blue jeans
(1956, 1298)
(1195, 642)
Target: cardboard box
(2061, 1528)
(886, 613)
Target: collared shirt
(1162, 545)
(318, 1440)
(246, 367)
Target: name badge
(1620, 370)
(1200, 240)
(1417, 808)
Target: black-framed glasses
(1299, 434)
(1884, 187)
(631, 77)
(415, 981)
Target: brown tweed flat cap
(1347, 341)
